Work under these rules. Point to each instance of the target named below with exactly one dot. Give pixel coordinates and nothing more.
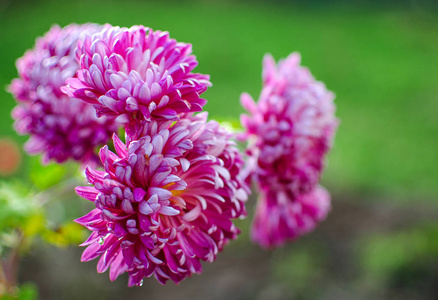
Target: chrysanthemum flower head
(60, 127)
(137, 73)
(292, 125)
(165, 200)
(290, 129)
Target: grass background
(380, 62)
(380, 58)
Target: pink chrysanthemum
(60, 127)
(278, 219)
(165, 200)
(137, 73)
(290, 130)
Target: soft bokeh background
(380, 58)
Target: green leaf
(45, 176)
(16, 205)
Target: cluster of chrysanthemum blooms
(166, 198)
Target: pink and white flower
(137, 73)
(165, 200)
(60, 127)
(290, 129)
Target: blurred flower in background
(60, 127)
(290, 130)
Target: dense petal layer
(166, 200)
(137, 73)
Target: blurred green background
(380, 58)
